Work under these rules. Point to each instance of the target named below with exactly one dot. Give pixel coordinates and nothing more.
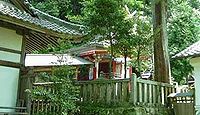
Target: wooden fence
(41, 105)
(135, 91)
(113, 92)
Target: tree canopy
(109, 19)
(183, 30)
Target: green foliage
(69, 10)
(104, 17)
(109, 19)
(142, 40)
(84, 71)
(183, 30)
(125, 110)
(181, 68)
(65, 92)
(182, 26)
(135, 35)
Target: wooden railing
(16, 110)
(151, 92)
(112, 92)
(105, 91)
(43, 106)
(135, 91)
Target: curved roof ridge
(38, 12)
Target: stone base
(126, 111)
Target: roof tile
(10, 10)
(191, 51)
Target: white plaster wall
(195, 62)
(8, 86)
(123, 72)
(9, 39)
(127, 72)
(9, 76)
(7, 56)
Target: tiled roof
(7, 9)
(191, 51)
(90, 46)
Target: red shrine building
(97, 53)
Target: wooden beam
(19, 30)
(42, 69)
(31, 46)
(9, 64)
(49, 38)
(21, 108)
(34, 43)
(9, 50)
(22, 60)
(43, 38)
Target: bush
(59, 90)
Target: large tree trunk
(161, 57)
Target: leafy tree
(123, 45)
(105, 17)
(137, 41)
(142, 39)
(134, 39)
(69, 10)
(183, 30)
(65, 93)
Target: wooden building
(97, 52)
(193, 52)
(24, 29)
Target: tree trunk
(125, 61)
(111, 59)
(138, 59)
(161, 57)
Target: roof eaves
(77, 28)
(49, 17)
(30, 26)
(11, 14)
(191, 51)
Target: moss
(124, 110)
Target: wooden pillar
(133, 93)
(77, 72)
(114, 68)
(97, 68)
(94, 73)
(20, 99)
(161, 58)
(29, 86)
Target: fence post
(133, 94)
